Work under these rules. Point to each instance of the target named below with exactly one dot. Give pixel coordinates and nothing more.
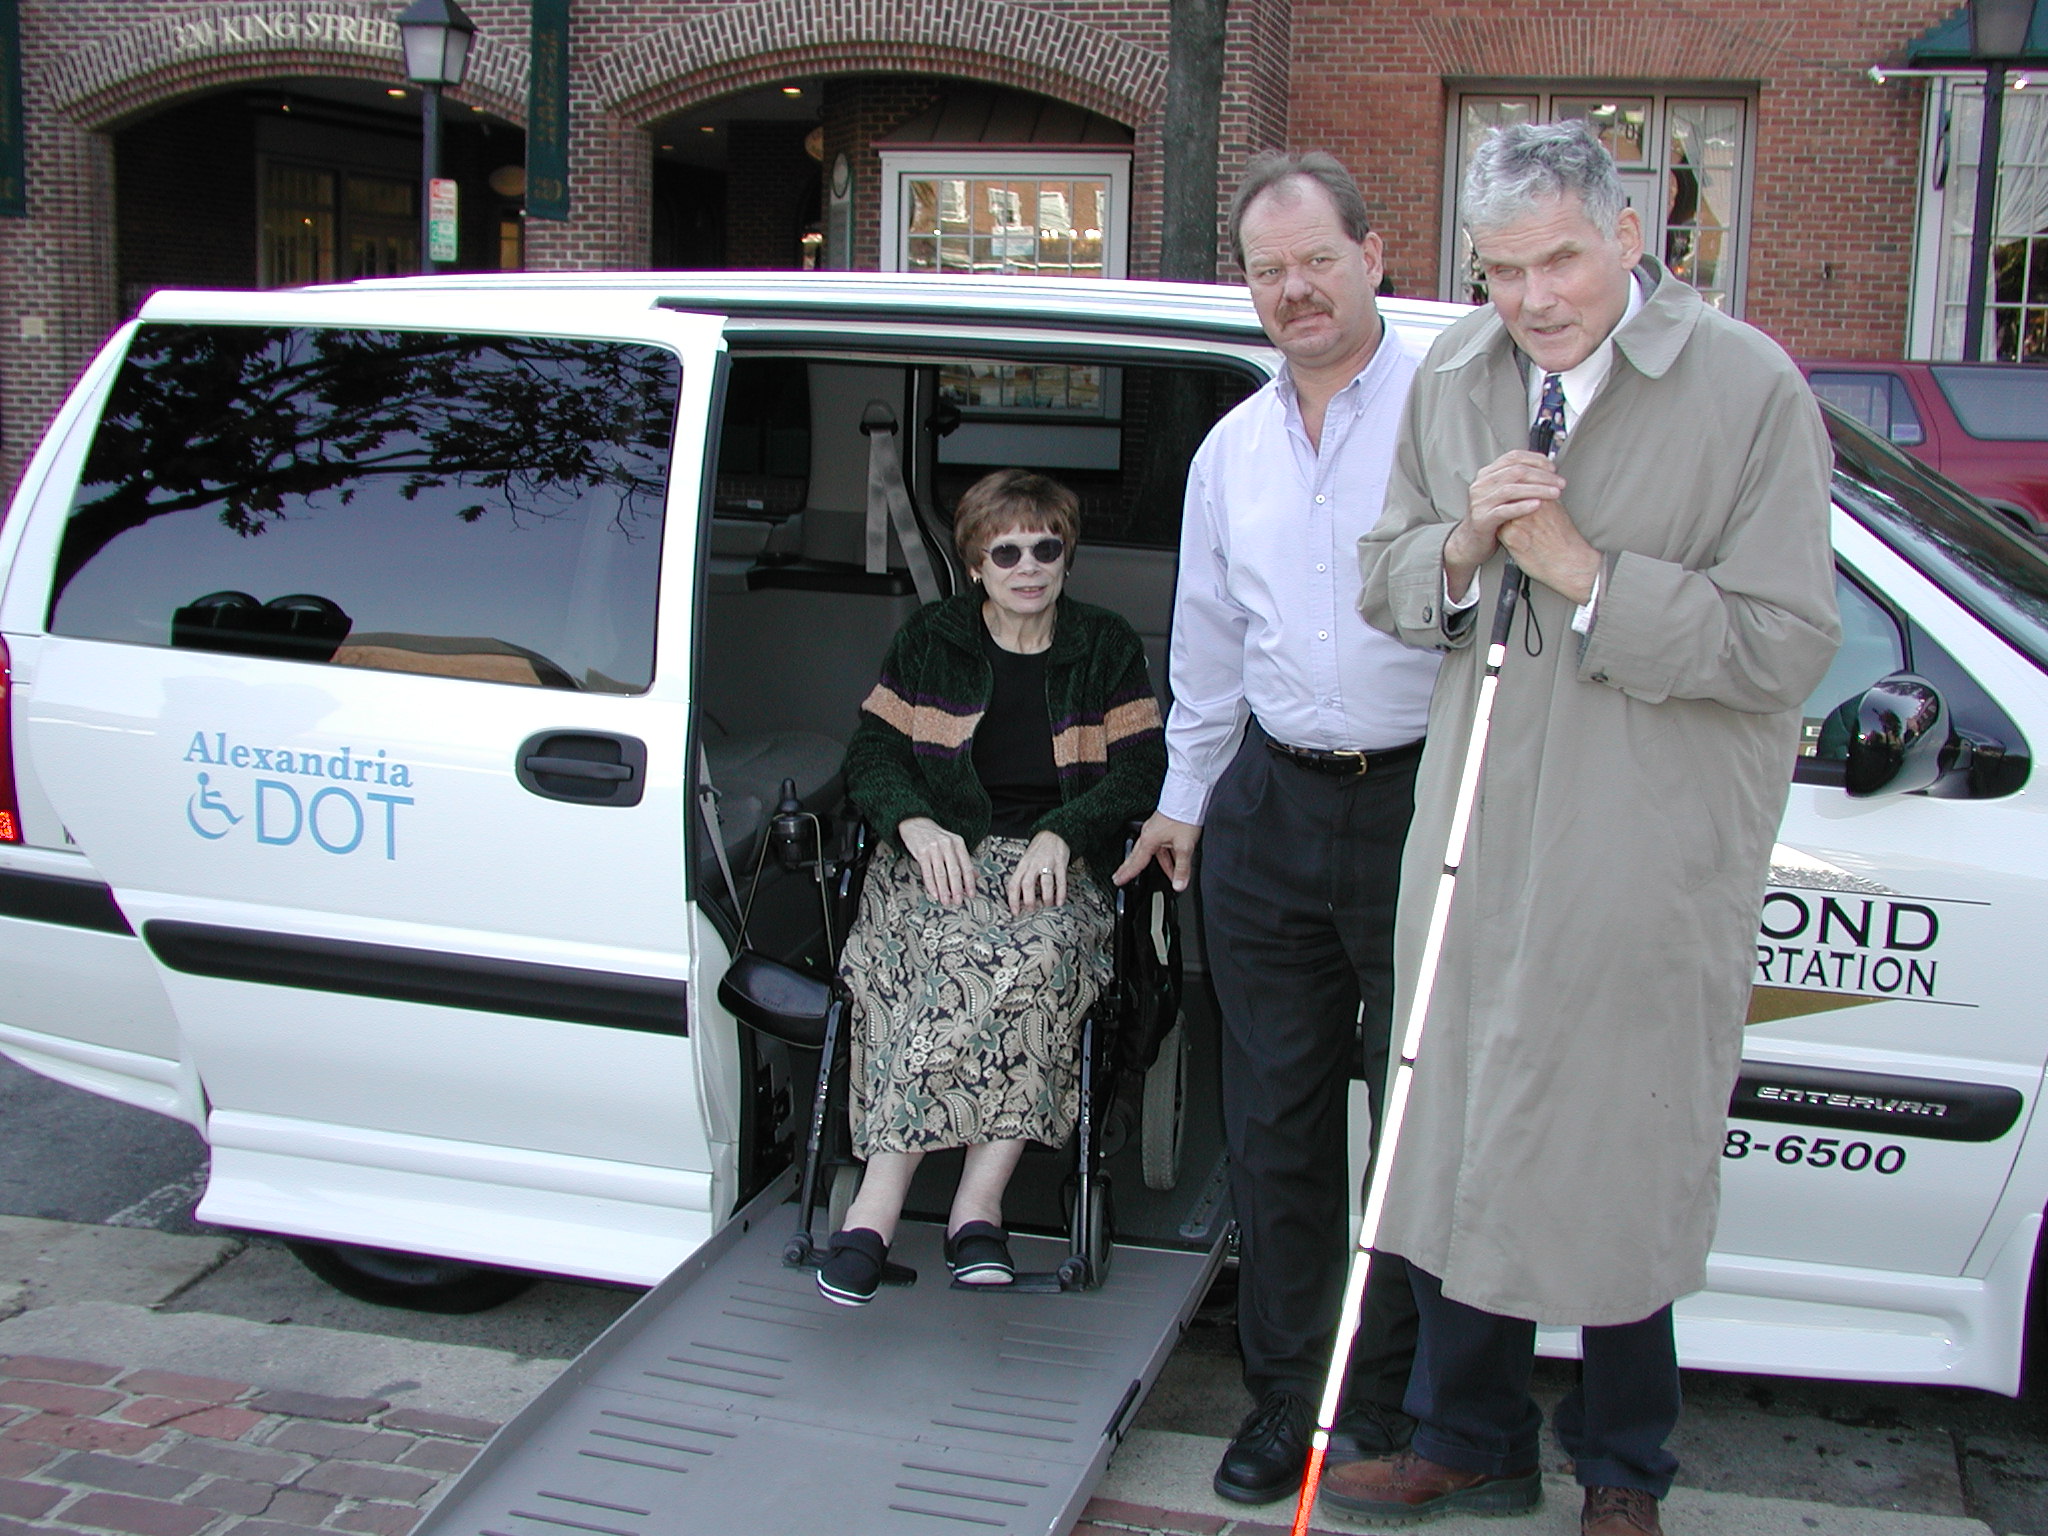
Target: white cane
(1411, 1035)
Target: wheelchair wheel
(1164, 1109)
(1098, 1237)
(845, 1185)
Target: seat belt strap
(707, 804)
(889, 504)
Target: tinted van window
(487, 507)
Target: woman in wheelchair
(1012, 735)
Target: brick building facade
(142, 157)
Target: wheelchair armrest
(777, 999)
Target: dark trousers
(1300, 870)
(1470, 1394)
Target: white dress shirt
(1265, 619)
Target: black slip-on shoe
(1269, 1452)
(979, 1254)
(852, 1271)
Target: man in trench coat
(1560, 1161)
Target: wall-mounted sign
(441, 219)
(289, 25)
(13, 152)
(547, 113)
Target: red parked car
(1983, 425)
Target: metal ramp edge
(734, 1398)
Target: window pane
(1871, 649)
(2000, 405)
(1703, 170)
(1047, 228)
(486, 507)
(298, 225)
(1478, 116)
(1866, 396)
(1119, 436)
(1623, 123)
(2017, 316)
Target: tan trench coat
(1561, 1159)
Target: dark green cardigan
(912, 754)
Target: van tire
(415, 1282)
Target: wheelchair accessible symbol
(208, 803)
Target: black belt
(1350, 765)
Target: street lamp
(436, 36)
(1998, 39)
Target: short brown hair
(1273, 167)
(1008, 499)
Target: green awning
(1948, 41)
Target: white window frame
(1933, 209)
(1017, 163)
(1661, 93)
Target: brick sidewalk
(1113, 1517)
(87, 1447)
(91, 1448)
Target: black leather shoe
(1370, 1429)
(1266, 1458)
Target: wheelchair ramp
(735, 1398)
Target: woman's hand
(942, 858)
(1040, 878)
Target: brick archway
(757, 43)
(165, 85)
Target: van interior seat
(748, 770)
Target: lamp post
(436, 36)
(1998, 37)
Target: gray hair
(1524, 164)
(1270, 169)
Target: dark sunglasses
(1045, 551)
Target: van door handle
(583, 767)
(577, 768)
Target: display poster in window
(547, 113)
(13, 151)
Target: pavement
(125, 1413)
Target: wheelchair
(1132, 1042)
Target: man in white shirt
(1292, 747)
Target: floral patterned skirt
(966, 1020)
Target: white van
(369, 646)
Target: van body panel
(323, 808)
(485, 1204)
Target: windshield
(1991, 568)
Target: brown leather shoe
(1405, 1487)
(1619, 1512)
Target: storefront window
(1030, 215)
(2016, 307)
(321, 224)
(1683, 162)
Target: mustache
(1294, 311)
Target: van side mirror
(1903, 740)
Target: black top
(1013, 742)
